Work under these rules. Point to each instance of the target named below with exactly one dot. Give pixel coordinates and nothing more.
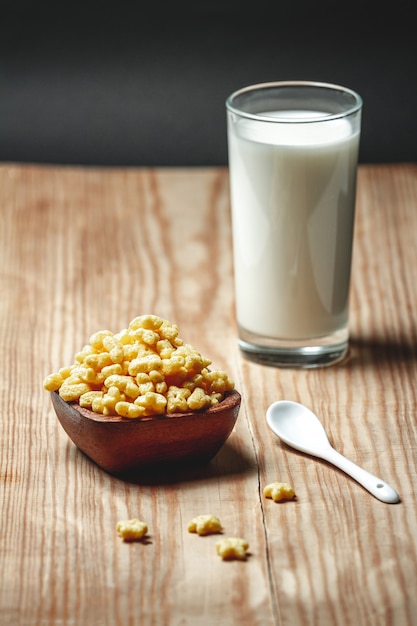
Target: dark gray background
(145, 84)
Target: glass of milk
(293, 154)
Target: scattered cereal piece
(131, 529)
(205, 525)
(232, 548)
(147, 365)
(279, 492)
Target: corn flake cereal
(145, 369)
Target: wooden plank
(85, 249)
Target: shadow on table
(380, 351)
(227, 462)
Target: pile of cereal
(145, 369)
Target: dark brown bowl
(119, 444)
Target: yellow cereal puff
(96, 340)
(231, 548)
(177, 399)
(132, 390)
(174, 366)
(145, 387)
(65, 372)
(145, 364)
(53, 382)
(84, 374)
(111, 398)
(98, 361)
(279, 492)
(73, 379)
(156, 376)
(124, 337)
(117, 380)
(110, 342)
(161, 387)
(198, 400)
(153, 403)
(71, 393)
(110, 370)
(128, 409)
(131, 351)
(98, 406)
(217, 381)
(142, 378)
(165, 348)
(205, 525)
(151, 322)
(132, 529)
(170, 332)
(84, 352)
(87, 399)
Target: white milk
(293, 197)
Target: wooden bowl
(118, 444)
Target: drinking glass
(293, 155)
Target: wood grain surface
(88, 249)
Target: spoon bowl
(298, 427)
(118, 444)
(301, 429)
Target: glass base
(320, 352)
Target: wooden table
(87, 249)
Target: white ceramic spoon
(299, 428)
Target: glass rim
(294, 120)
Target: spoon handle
(377, 487)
